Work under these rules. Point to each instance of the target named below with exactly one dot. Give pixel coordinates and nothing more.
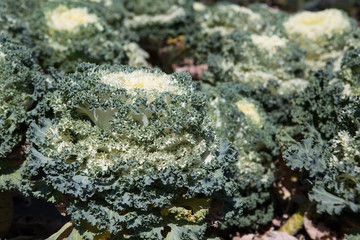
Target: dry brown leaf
(317, 231)
(275, 235)
(187, 65)
(61, 207)
(215, 214)
(245, 237)
(17, 156)
(277, 221)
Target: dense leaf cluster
(328, 155)
(22, 85)
(132, 152)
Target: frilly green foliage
(313, 5)
(321, 105)
(159, 20)
(332, 177)
(352, 236)
(67, 33)
(255, 60)
(272, 16)
(224, 18)
(21, 8)
(243, 121)
(121, 145)
(328, 156)
(350, 72)
(112, 10)
(22, 85)
(217, 21)
(134, 153)
(251, 205)
(12, 15)
(310, 45)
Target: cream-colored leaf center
(63, 18)
(142, 80)
(269, 43)
(312, 25)
(250, 110)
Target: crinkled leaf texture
(327, 202)
(306, 155)
(22, 86)
(120, 154)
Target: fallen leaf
(61, 207)
(215, 214)
(277, 221)
(275, 235)
(187, 65)
(317, 231)
(17, 156)
(245, 237)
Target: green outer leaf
(306, 155)
(64, 230)
(327, 202)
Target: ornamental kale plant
(67, 33)
(243, 121)
(157, 21)
(324, 35)
(328, 154)
(135, 144)
(98, 118)
(256, 60)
